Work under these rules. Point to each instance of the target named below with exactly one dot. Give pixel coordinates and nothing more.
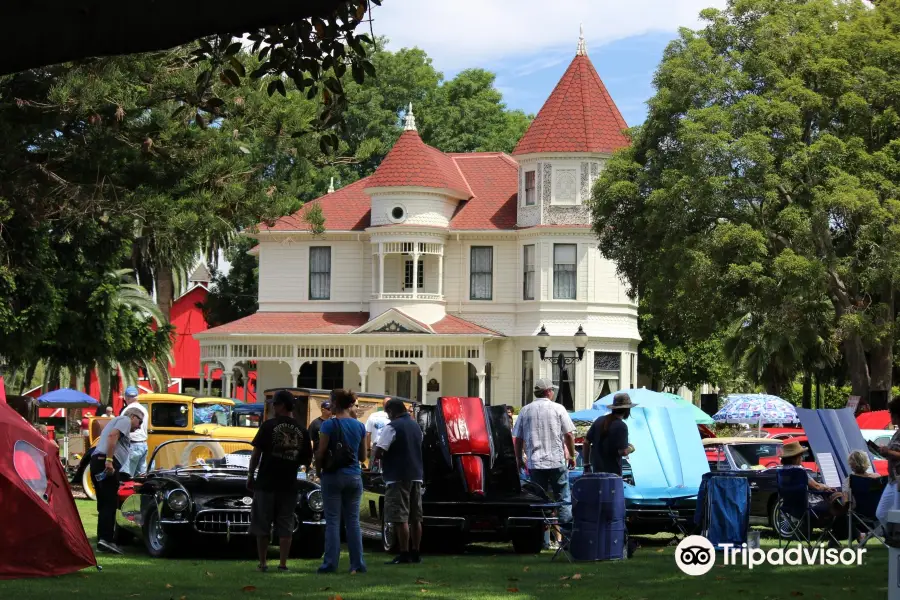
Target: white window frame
(329, 272)
(407, 266)
(526, 271)
(574, 270)
(525, 189)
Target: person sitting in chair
(791, 456)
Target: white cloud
(460, 33)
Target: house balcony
(408, 275)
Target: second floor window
(530, 195)
(565, 274)
(408, 274)
(481, 273)
(320, 273)
(528, 272)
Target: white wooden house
(435, 273)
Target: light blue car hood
(668, 461)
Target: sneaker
(632, 547)
(283, 569)
(104, 546)
(400, 559)
(415, 558)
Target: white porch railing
(408, 296)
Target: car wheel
(528, 541)
(388, 537)
(87, 484)
(781, 523)
(159, 543)
(308, 542)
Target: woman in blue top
(342, 488)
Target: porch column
(416, 272)
(380, 270)
(202, 377)
(226, 383)
(482, 392)
(441, 273)
(362, 382)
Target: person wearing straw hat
(606, 442)
(791, 456)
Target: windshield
(747, 456)
(202, 454)
(215, 414)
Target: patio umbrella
(565, 392)
(642, 396)
(586, 416)
(700, 417)
(65, 399)
(756, 409)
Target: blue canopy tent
(66, 399)
(649, 398)
(588, 415)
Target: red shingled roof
(579, 116)
(328, 323)
(451, 325)
(493, 179)
(294, 323)
(347, 209)
(412, 163)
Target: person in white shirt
(374, 425)
(543, 432)
(137, 457)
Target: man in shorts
(399, 450)
(281, 445)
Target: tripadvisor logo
(695, 555)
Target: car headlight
(314, 499)
(177, 500)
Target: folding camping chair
(675, 518)
(565, 536)
(795, 511)
(723, 508)
(865, 493)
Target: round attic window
(398, 214)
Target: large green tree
(764, 183)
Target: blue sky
(529, 43)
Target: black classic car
(472, 490)
(757, 460)
(195, 490)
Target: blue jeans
(137, 459)
(557, 482)
(342, 494)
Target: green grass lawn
(483, 572)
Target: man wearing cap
(606, 442)
(374, 425)
(137, 458)
(316, 424)
(543, 431)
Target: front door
(405, 382)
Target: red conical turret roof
(579, 116)
(412, 163)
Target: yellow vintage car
(174, 416)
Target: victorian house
(434, 275)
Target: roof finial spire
(409, 123)
(331, 186)
(582, 47)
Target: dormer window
(530, 192)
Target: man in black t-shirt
(281, 445)
(606, 442)
(317, 424)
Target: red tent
(878, 419)
(42, 532)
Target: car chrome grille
(235, 522)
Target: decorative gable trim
(393, 321)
